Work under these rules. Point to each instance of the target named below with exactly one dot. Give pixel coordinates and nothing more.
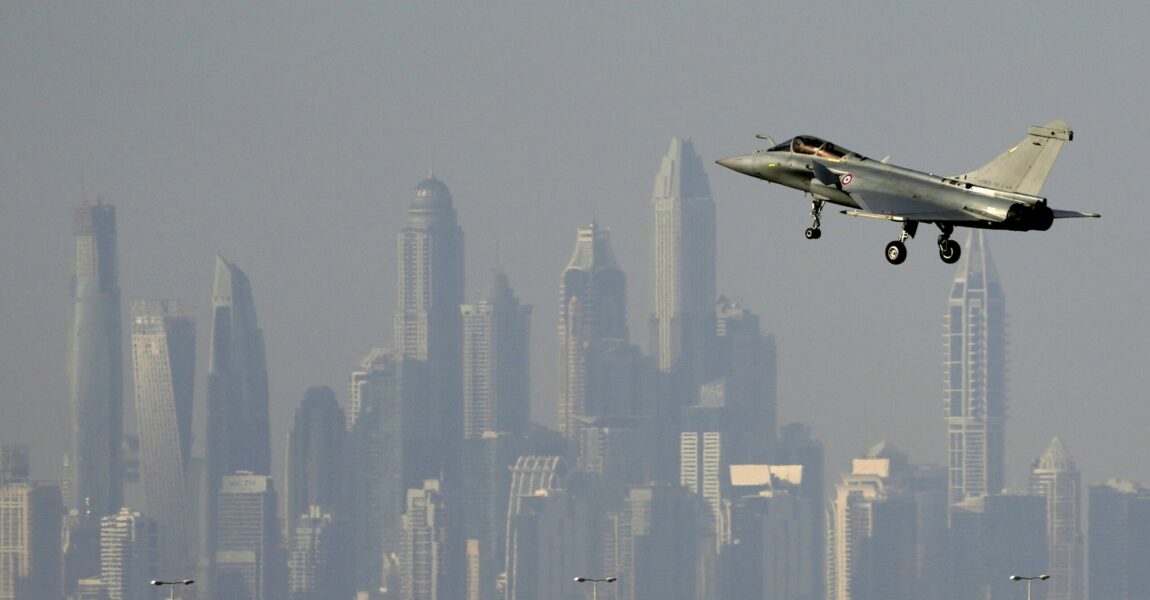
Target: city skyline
(1017, 482)
(293, 140)
(733, 420)
(203, 169)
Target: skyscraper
(992, 535)
(745, 359)
(427, 318)
(531, 476)
(772, 532)
(798, 447)
(423, 553)
(659, 544)
(548, 541)
(249, 560)
(317, 506)
(95, 375)
(29, 531)
(391, 440)
(496, 362)
(15, 464)
(704, 454)
(1118, 541)
(975, 346)
(1056, 479)
(618, 450)
(129, 555)
(592, 307)
(238, 436)
(619, 380)
(163, 365)
(871, 533)
(316, 564)
(487, 464)
(315, 457)
(533, 473)
(927, 484)
(682, 265)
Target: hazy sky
(288, 137)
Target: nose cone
(739, 164)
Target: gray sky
(289, 138)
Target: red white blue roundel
(846, 179)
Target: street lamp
(172, 594)
(1029, 579)
(595, 584)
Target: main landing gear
(896, 250)
(813, 232)
(948, 250)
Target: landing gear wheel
(895, 252)
(813, 233)
(949, 251)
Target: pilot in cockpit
(813, 147)
(829, 150)
(803, 146)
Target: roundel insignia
(846, 179)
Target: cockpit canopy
(807, 144)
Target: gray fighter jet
(1004, 194)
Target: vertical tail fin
(1024, 167)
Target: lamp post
(1029, 579)
(595, 584)
(172, 594)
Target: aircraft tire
(949, 251)
(895, 252)
(813, 233)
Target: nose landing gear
(813, 232)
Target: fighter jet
(1004, 194)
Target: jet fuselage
(902, 191)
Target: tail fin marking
(1025, 167)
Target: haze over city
(290, 141)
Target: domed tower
(428, 325)
(430, 274)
